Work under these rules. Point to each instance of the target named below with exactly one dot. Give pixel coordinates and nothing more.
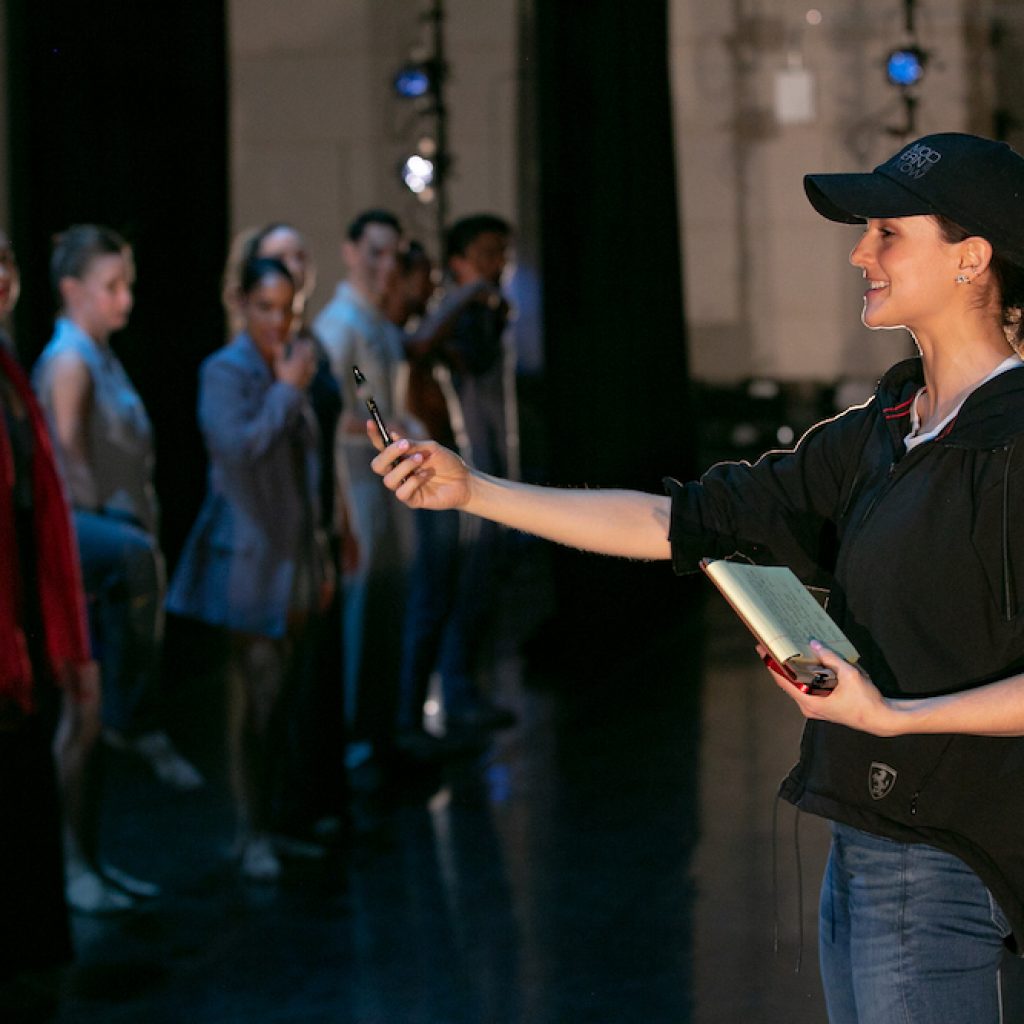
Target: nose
(860, 254)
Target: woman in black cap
(908, 508)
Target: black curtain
(118, 115)
(618, 409)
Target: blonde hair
(240, 252)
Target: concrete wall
(318, 135)
(768, 288)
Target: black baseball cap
(976, 182)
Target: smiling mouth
(877, 286)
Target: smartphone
(820, 684)
(371, 405)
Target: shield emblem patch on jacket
(881, 779)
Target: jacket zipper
(1009, 597)
(882, 490)
(916, 798)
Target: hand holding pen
(363, 392)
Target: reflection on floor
(610, 859)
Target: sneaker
(90, 893)
(129, 884)
(259, 861)
(157, 750)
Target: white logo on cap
(918, 160)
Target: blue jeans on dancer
(124, 579)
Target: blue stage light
(413, 81)
(905, 67)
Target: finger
(827, 656)
(401, 471)
(411, 484)
(398, 447)
(769, 663)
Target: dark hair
(1009, 278)
(359, 225)
(255, 271)
(413, 255)
(252, 244)
(76, 248)
(465, 231)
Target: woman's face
(287, 245)
(268, 314)
(909, 269)
(100, 301)
(10, 280)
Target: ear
(975, 255)
(70, 289)
(349, 253)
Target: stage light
(414, 80)
(418, 173)
(905, 66)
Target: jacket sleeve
(241, 417)
(782, 509)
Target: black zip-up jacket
(923, 555)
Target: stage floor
(608, 860)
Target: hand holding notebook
(784, 617)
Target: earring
(963, 279)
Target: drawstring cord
(775, 876)
(799, 893)
(1009, 597)
(799, 884)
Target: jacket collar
(247, 353)
(991, 416)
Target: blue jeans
(908, 934)
(451, 598)
(476, 592)
(124, 581)
(432, 590)
(373, 597)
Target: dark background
(119, 116)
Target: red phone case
(815, 688)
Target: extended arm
(437, 325)
(630, 524)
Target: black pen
(371, 405)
